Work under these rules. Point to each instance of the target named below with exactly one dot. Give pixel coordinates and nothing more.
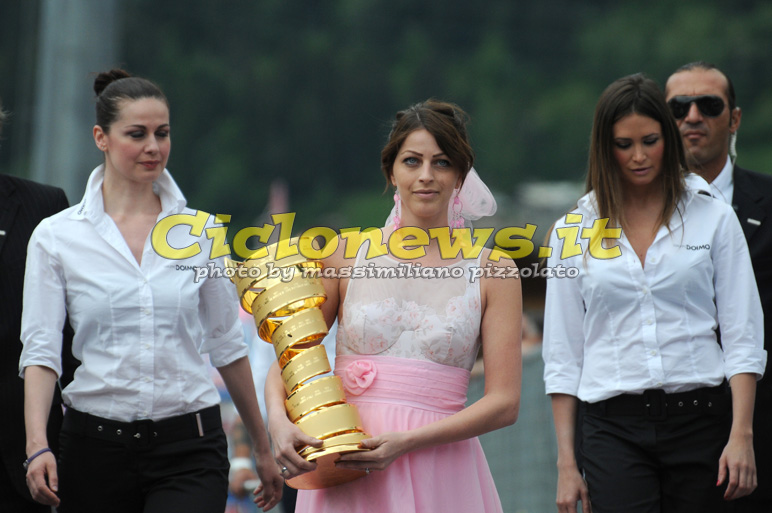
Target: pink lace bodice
(423, 318)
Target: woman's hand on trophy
(383, 450)
(287, 440)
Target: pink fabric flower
(358, 376)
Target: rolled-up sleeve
(563, 346)
(44, 309)
(223, 333)
(740, 317)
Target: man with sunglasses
(702, 99)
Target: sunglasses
(709, 105)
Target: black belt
(143, 433)
(657, 405)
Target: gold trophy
(284, 295)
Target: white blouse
(140, 330)
(621, 328)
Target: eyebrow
(165, 125)
(644, 137)
(441, 154)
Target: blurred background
(304, 92)
(284, 106)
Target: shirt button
(659, 384)
(653, 353)
(645, 290)
(649, 322)
(146, 379)
(146, 311)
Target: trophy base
(326, 473)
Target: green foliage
(306, 91)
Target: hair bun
(105, 78)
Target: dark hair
(114, 86)
(445, 121)
(707, 66)
(633, 94)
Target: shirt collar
(724, 182)
(92, 204)
(695, 184)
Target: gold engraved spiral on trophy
(285, 299)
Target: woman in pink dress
(406, 343)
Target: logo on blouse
(689, 247)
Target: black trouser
(760, 501)
(661, 463)
(12, 500)
(179, 465)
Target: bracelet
(29, 460)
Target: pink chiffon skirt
(399, 394)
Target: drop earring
(397, 220)
(457, 221)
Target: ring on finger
(367, 471)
